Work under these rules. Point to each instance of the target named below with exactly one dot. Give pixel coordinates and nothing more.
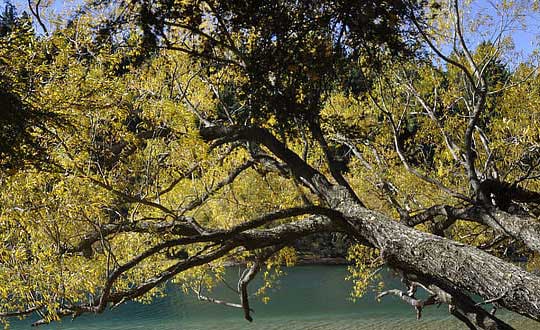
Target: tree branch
(330, 159)
(249, 274)
(20, 313)
(228, 180)
(306, 174)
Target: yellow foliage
(363, 270)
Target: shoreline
(305, 260)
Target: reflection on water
(308, 297)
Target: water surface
(308, 297)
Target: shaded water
(308, 297)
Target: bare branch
(200, 296)
(477, 73)
(21, 312)
(248, 275)
(418, 304)
(450, 144)
(35, 12)
(412, 170)
(228, 180)
(440, 54)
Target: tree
(23, 138)
(205, 131)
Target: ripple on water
(339, 324)
(310, 297)
(345, 322)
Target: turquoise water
(308, 297)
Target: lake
(308, 297)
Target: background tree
(23, 136)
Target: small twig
(492, 300)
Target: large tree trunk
(523, 228)
(451, 269)
(449, 264)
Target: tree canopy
(147, 142)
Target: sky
(526, 39)
(524, 28)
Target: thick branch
(523, 228)
(300, 169)
(330, 159)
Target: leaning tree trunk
(452, 269)
(449, 264)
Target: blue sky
(525, 40)
(525, 29)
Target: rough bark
(521, 227)
(457, 267)
(461, 266)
